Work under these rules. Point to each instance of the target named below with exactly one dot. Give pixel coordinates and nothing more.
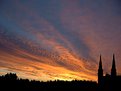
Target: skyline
(48, 40)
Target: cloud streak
(58, 43)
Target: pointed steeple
(100, 71)
(113, 69)
(100, 63)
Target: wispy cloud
(47, 43)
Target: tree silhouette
(13, 83)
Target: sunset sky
(59, 39)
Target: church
(109, 82)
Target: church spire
(100, 63)
(113, 69)
(100, 71)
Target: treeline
(11, 82)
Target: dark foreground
(10, 82)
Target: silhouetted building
(108, 82)
(113, 69)
(100, 71)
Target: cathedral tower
(100, 71)
(113, 69)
